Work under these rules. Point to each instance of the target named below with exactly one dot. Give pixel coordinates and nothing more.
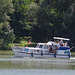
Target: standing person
(50, 48)
(29, 42)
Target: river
(10, 65)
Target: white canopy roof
(59, 38)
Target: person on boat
(29, 42)
(61, 43)
(66, 44)
(50, 48)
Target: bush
(31, 45)
(5, 47)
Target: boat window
(45, 46)
(26, 50)
(40, 46)
(37, 50)
(37, 46)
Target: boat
(58, 48)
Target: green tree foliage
(70, 22)
(6, 33)
(51, 19)
(43, 19)
(20, 20)
(20, 17)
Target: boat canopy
(59, 38)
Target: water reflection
(36, 72)
(33, 66)
(32, 63)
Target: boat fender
(69, 55)
(31, 54)
(55, 55)
(41, 53)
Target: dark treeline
(41, 19)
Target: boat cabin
(49, 47)
(53, 47)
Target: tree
(6, 33)
(43, 19)
(20, 17)
(50, 18)
(70, 22)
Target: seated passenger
(66, 44)
(61, 42)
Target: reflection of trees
(37, 63)
(33, 64)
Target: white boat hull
(20, 53)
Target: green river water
(10, 65)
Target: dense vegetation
(41, 19)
